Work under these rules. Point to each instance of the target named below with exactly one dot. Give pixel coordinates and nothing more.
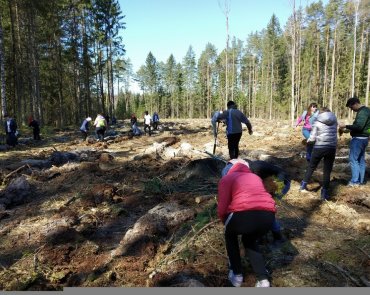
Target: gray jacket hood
(327, 118)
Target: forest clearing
(141, 211)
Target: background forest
(62, 60)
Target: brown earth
(141, 211)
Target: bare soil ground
(141, 212)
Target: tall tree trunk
(368, 76)
(86, 67)
(325, 92)
(2, 71)
(15, 62)
(208, 91)
(60, 121)
(271, 84)
(112, 80)
(318, 65)
(250, 87)
(226, 11)
(356, 3)
(34, 65)
(293, 58)
(333, 69)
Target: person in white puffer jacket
(325, 138)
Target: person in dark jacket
(324, 136)
(234, 119)
(10, 126)
(85, 126)
(35, 126)
(246, 209)
(360, 131)
(155, 120)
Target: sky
(166, 27)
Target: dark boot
(324, 194)
(277, 236)
(303, 186)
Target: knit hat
(88, 119)
(231, 163)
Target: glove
(286, 188)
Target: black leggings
(233, 144)
(251, 225)
(317, 154)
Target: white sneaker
(236, 280)
(263, 283)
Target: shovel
(214, 145)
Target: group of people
(11, 129)
(246, 206)
(149, 122)
(101, 124)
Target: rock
(60, 158)
(17, 192)
(105, 158)
(156, 222)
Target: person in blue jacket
(155, 119)
(234, 119)
(85, 128)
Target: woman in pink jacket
(247, 209)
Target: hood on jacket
(327, 118)
(231, 165)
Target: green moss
(154, 186)
(206, 216)
(333, 256)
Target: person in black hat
(360, 131)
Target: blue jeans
(276, 226)
(306, 133)
(357, 148)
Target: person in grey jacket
(324, 136)
(234, 119)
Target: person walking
(308, 117)
(234, 119)
(360, 131)
(246, 209)
(147, 123)
(100, 124)
(35, 126)
(324, 136)
(155, 120)
(10, 126)
(85, 127)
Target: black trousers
(251, 225)
(233, 144)
(146, 126)
(36, 134)
(328, 154)
(84, 135)
(100, 131)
